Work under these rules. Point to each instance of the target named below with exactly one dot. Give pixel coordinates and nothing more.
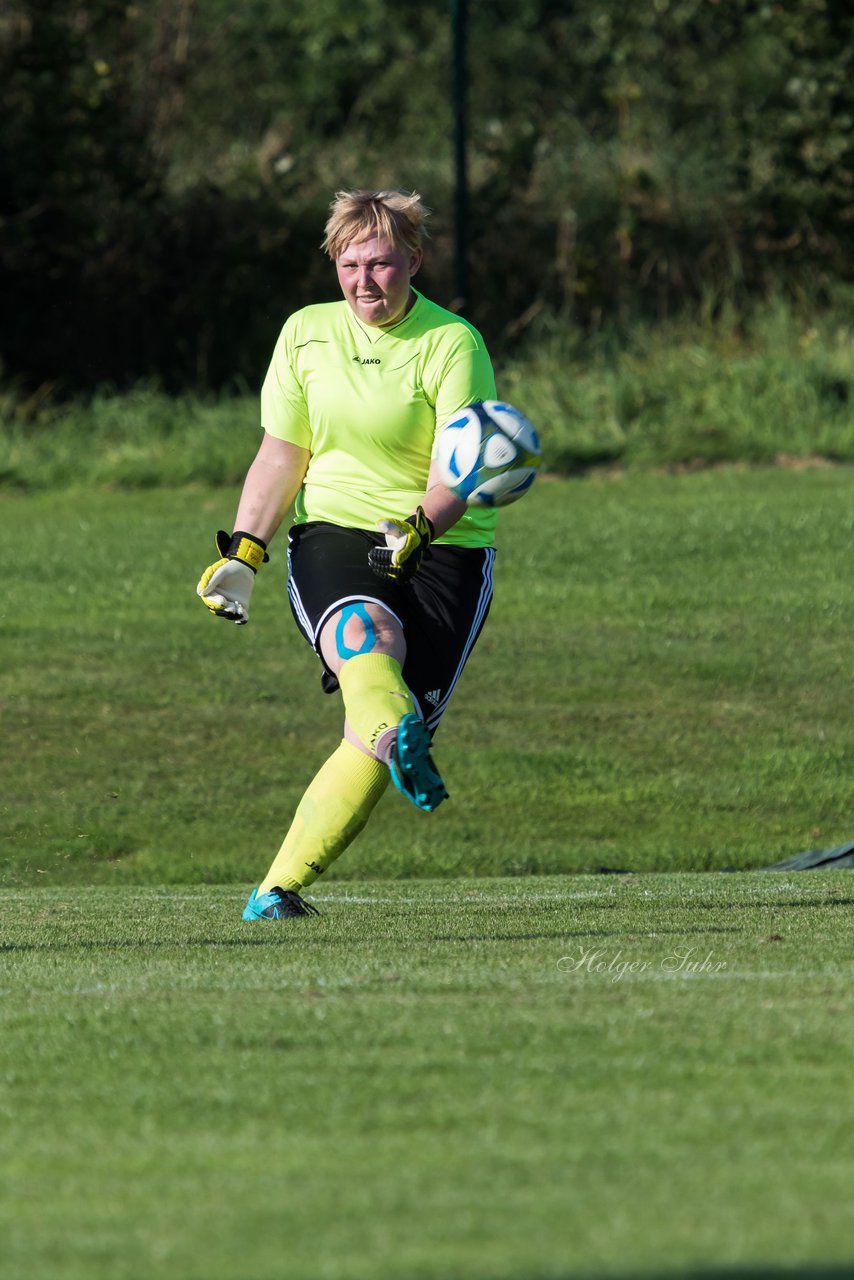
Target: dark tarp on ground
(815, 859)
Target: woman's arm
(441, 507)
(272, 482)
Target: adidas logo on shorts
(433, 696)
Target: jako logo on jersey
(367, 360)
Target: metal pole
(459, 93)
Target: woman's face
(374, 276)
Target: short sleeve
(467, 375)
(284, 412)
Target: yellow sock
(337, 804)
(376, 697)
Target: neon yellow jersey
(367, 403)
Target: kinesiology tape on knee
(369, 638)
(375, 694)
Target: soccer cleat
(278, 904)
(411, 765)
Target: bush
(166, 168)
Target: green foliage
(80, 183)
(772, 385)
(438, 1072)
(131, 441)
(167, 167)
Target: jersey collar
(374, 333)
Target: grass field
(519, 1079)
(664, 684)
(461, 1069)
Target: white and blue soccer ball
(488, 454)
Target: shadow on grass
(120, 944)
(277, 936)
(759, 1271)
(802, 1271)
(592, 935)
(750, 905)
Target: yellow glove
(226, 585)
(406, 541)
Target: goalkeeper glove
(226, 585)
(406, 542)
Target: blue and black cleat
(411, 765)
(278, 904)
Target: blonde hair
(400, 216)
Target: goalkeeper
(389, 574)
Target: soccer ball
(488, 454)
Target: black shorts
(441, 610)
